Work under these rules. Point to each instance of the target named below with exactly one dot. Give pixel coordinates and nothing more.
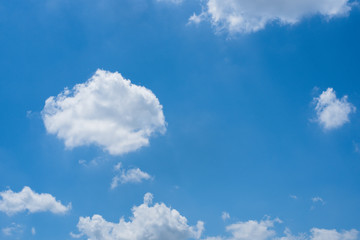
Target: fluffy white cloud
(245, 16)
(252, 230)
(134, 175)
(27, 200)
(332, 112)
(108, 111)
(157, 222)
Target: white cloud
(289, 236)
(318, 200)
(225, 216)
(157, 222)
(245, 16)
(108, 111)
(134, 175)
(12, 230)
(27, 200)
(293, 196)
(325, 234)
(332, 112)
(196, 19)
(263, 230)
(148, 198)
(74, 235)
(322, 234)
(250, 230)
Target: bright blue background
(239, 135)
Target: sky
(179, 119)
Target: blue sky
(248, 108)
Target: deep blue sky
(239, 137)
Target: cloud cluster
(250, 230)
(157, 222)
(246, 16)
(332, 112)
(323, 234)
(28, 200)
(108, 111)
(263, 230)
(134, 175)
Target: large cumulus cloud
(157, 222)
(108, 111)
(245, 16)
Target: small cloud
(317, 200)
(117, 167)
(196, 19)
(82, 162)
(33, 231)
(332, 112)
(134, 175)
(293, 197)
(74, 235)
(225, 216)
(148, 198)
(356, 147)
(30, 114)
(92, 163)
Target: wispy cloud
(13, 229)
(225, 216)
(133, 175)
(318, 200)
(293, 196)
